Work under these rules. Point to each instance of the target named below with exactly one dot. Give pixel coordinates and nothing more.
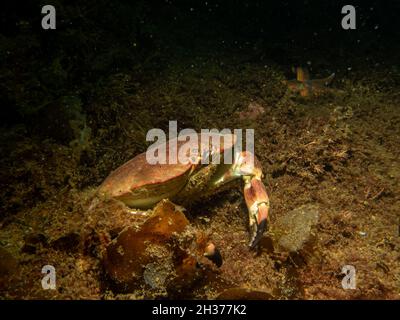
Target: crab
(141, 185)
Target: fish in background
(306, 86)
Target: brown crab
(140, 185)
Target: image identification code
(201, 309)
(221, 309)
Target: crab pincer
(258, 205)
(248, 167)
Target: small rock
(155, 254)
(294, 228)
(68, 242)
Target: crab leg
(249, 168)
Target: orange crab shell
(140, 184)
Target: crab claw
(258, 205)
(248, 167)
(213, 254)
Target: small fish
(306, 86)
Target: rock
(68, 242)
(294, 228)
(155, 255)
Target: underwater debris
(307, 86)
(163, 253)
(253, 111)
